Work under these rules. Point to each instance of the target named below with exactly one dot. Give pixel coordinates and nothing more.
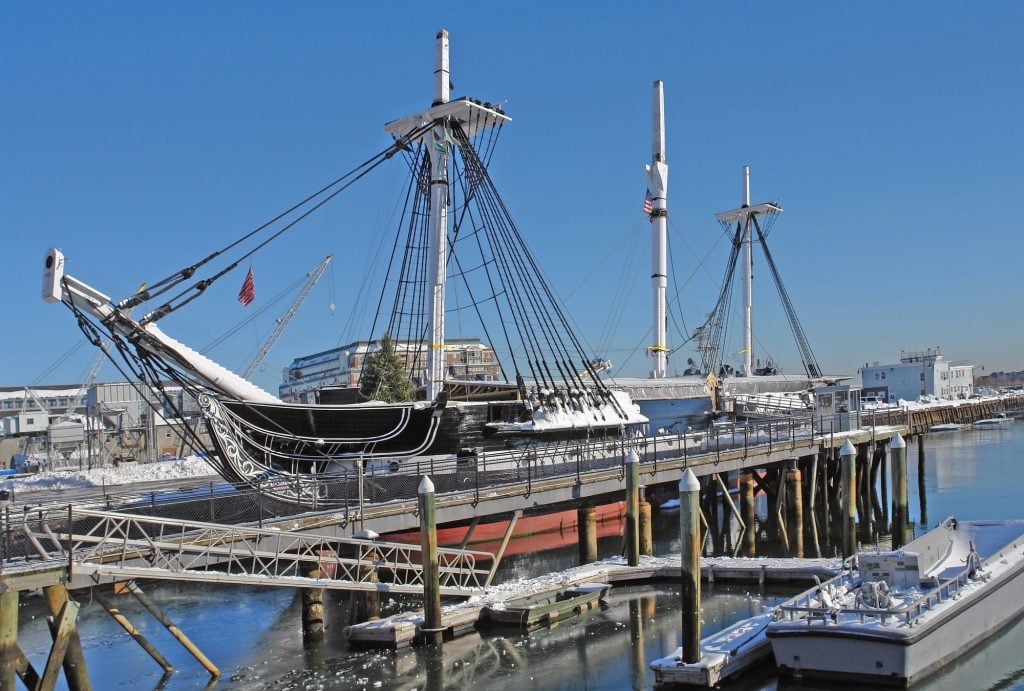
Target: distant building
(468, 359)
(919, 373)
(43, 401)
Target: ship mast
(657, 189)
(437, 247)
(745, 216)
(433, 128)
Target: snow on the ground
(126, 473)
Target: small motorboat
(994, 421)
(947, 427)
(895, 617)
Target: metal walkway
(106, 546)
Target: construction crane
(282, 321)
(90, 379)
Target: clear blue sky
(139, 136)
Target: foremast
(657, 191)
(473, 117)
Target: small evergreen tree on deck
(385, 379)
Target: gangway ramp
(105, 546)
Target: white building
(917, 374)
(468, 359)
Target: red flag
(248, 292)
(648, 204)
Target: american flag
(248, 292)
(648, 203)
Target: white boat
(947, 427)
(894, 617)
(994, 421)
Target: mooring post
(646, 530)
(364, 605)
(922, 494)
(586, 530)
(899, 491)
(632, 508)
(795, 504)
(848, 470)
(178, 634)
(75, 670)
(432, 632)
(8, 640)
(313, 609)
(689, 547)
(749, 511)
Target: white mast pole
(438, 148)
(748, 280)
(657, 187)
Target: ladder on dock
(104, 546)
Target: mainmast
(437, 246)
(473, 116)
(657, 189)
(745, 216)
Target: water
(253, 634)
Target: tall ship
(455, 229)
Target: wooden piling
(922, 494)
(749, 511)
(9, 640)
(689, 544)
(848, 470)
(586, 530)
(795, 509)
(632, 508)
(432, 631)
(899, 491)
(121, 619)
(62, 627)
(313, 610)
(178, 634)
(75, 670)
(366, 603)
(646, 530)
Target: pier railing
(345, 497)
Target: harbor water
(253, 634)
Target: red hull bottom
(532, 533)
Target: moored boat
(894, 617)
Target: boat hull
(901, 655)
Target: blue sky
(137, 137)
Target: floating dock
(402, 630)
